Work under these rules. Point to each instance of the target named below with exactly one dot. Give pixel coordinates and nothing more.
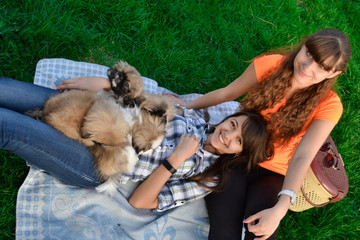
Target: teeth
(221, 139)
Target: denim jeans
(38, 143)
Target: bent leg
(22, 96)
(262, 194)
(45, 147)
(226, 209)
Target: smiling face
(228, 137)
(307, 72)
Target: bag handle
(310, 202)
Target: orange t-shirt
(329, 109)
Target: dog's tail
(35, 113)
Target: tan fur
(101, 124)
(106, 125)
(109, 160)
(136, 82)
(150, 130)
(66, 112)
(154, 103)
(156, 110)
(126, 83)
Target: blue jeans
(38, 143)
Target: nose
(229, 135)
(310, 64)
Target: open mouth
(221, 139)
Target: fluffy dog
(148, 131)
(114, 124)
(66, 112)
(109, 127)
(128, 88)
(155, 110)
(126, 83)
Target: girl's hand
(263, 224)
(186, 147)
(174, 99)
(92, 84)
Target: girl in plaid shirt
(194, 158)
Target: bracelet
(290, 193)
(168, 166)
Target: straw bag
(326, 180)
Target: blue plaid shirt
(178, 190)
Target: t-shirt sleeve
(330, 109)
(264, 64)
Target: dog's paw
(87, 142)
(109, 188)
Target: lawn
(186, 46)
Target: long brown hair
(325, 44)
(256, 149)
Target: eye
(232, 124)
(308, 54)
(239, 140)
(322, 67)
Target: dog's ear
(111, 72)
(164, 119)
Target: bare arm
(237, 88)
(93, 84)
(269, 219)
(146, 194)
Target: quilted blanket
(48, 209)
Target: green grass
(187, 46)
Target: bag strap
(310, 202)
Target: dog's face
(160, 106)
(126, 82)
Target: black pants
(244, 196)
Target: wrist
(289, 193)
(107, 84)
(187, 105)
(175, 161)
(282, 206)
(168, 166)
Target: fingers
(193, 137)
(256, 227)
(174, 99)
(251, 219)
(66, 84)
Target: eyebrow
(237, 124)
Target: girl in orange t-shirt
(293, 90)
